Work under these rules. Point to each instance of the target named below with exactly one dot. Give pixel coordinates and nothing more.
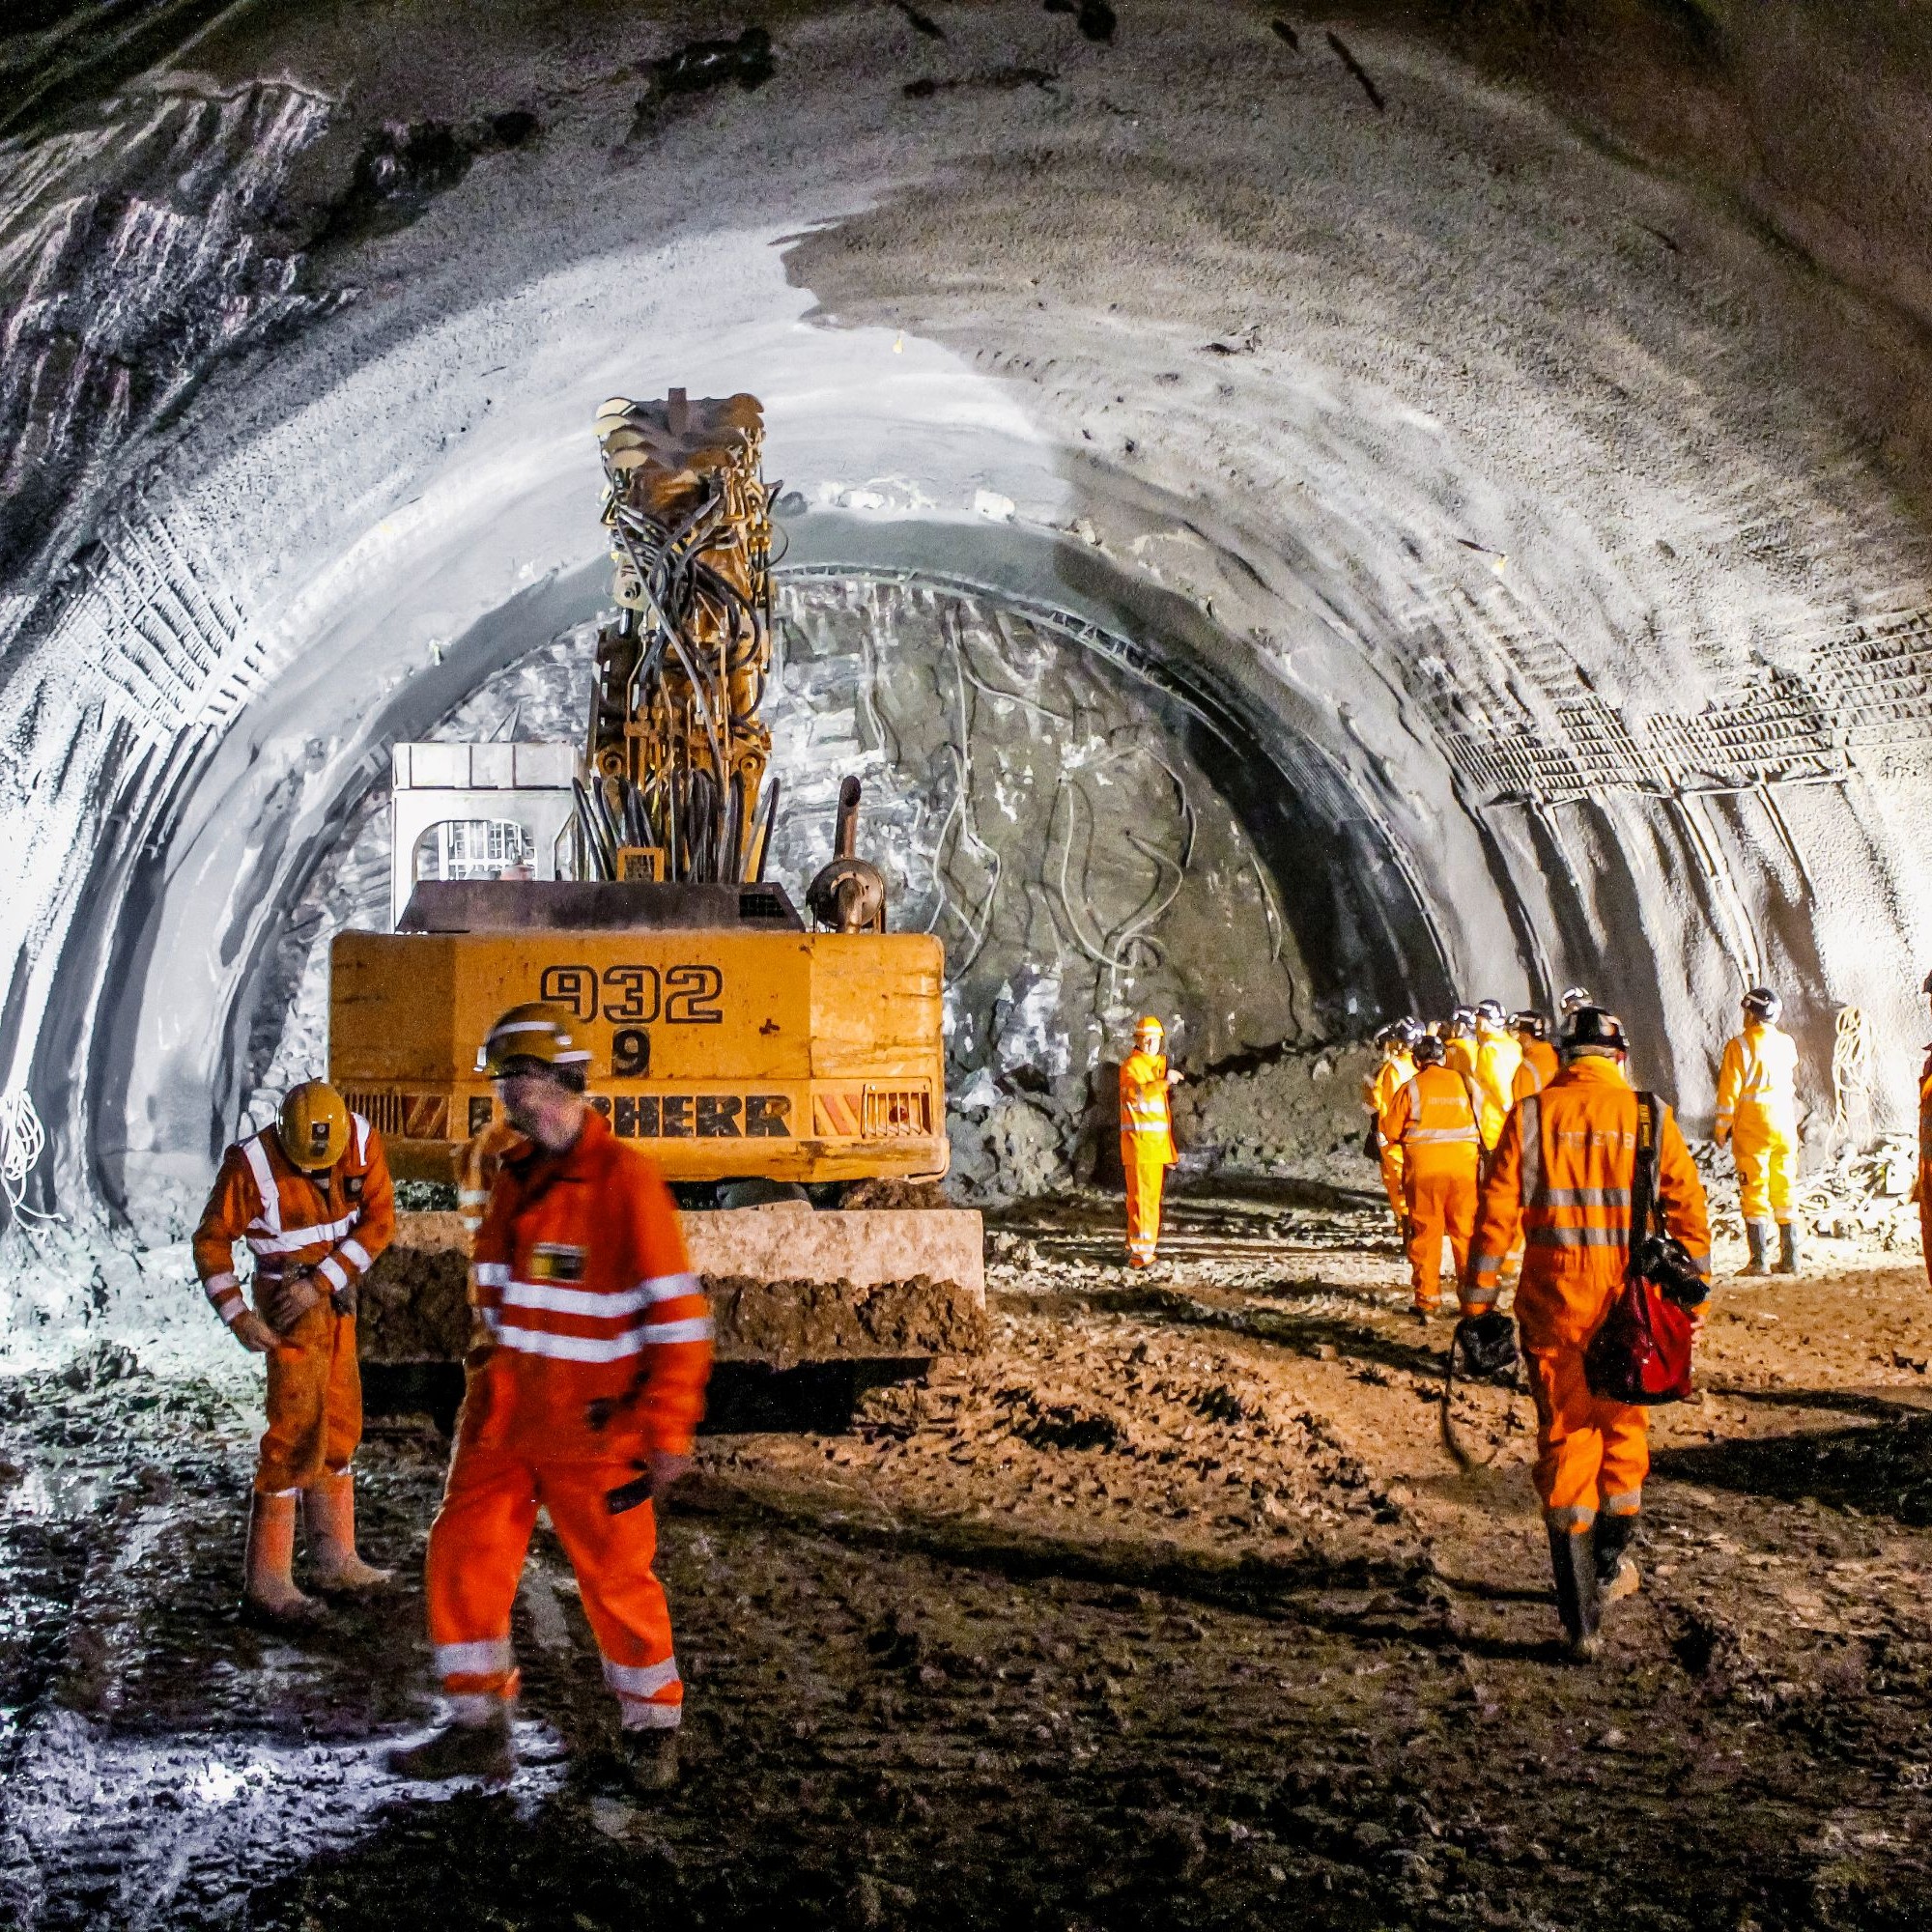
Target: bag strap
(1643, 1180)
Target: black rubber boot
(1787, 1249)
(1617, 1573)
(460, 1751)
(1572, 1557)
(1754, 1233)
(639, 1764)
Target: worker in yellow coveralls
(1146, 1137)
(1757, 1114)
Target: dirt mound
(785, 1322)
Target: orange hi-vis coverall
(477, 1171)
(1147, 1147)
(1433, 1120)
(1757, 1112)
(1498, 1055)
(1388, 1079)
(581, 1275)
(1537, 1070)
(334, 1225)
(1562, 1178)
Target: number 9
(629, 1053)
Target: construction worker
(1923, 1189)
(1757, 1113)
(1575, 999)
(1563, 1175)
(1433, 1121)
(583, 1402)
(1460, 1040)
(1539, 1058)
(478, 1168)
(1497, 1058)
(1395, 1071)
(310, 1197)
(1146, 1137)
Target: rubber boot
(1617, 1573)
(1757, 1234)
(649, 1758)
(1574, 1559)
(484, 1750)
(268, 1595)
(328, 1509)
(1787, 1249)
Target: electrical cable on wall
(23, 1142)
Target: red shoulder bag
(1641, 1352)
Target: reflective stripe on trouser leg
(476, 1547)
(622, 1597)
(314, 1404)
(1585, 1448)
(1628, 1503)
(1146, 1176)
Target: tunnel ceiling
(1516, 431)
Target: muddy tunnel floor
(1169, 1611)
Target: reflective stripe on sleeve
(484, 1659)
(257, 1157)
(645, 1680)
(361, 1125)
(1529, 1139)
(492, 1274)
(356, 1255)
(669, 1287)
(472, 1197)
(332, 1270)
(697, 1329)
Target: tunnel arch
(1526, 541)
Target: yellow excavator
(760, 1062)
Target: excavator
(787, 1079)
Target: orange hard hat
(313, 1125)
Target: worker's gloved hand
(289, 1299)
(344, 1298)
(254, 1334)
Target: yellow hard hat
(534, 1031)
(313, 1125)
(1150, 1028)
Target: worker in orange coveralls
(310, 1197)
(1563, 1175)
(1433, 1120)
(583, 1402)
(1539, 1063)
(1395, 1071)
(1146, 1137)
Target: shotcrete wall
(1529, 517)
